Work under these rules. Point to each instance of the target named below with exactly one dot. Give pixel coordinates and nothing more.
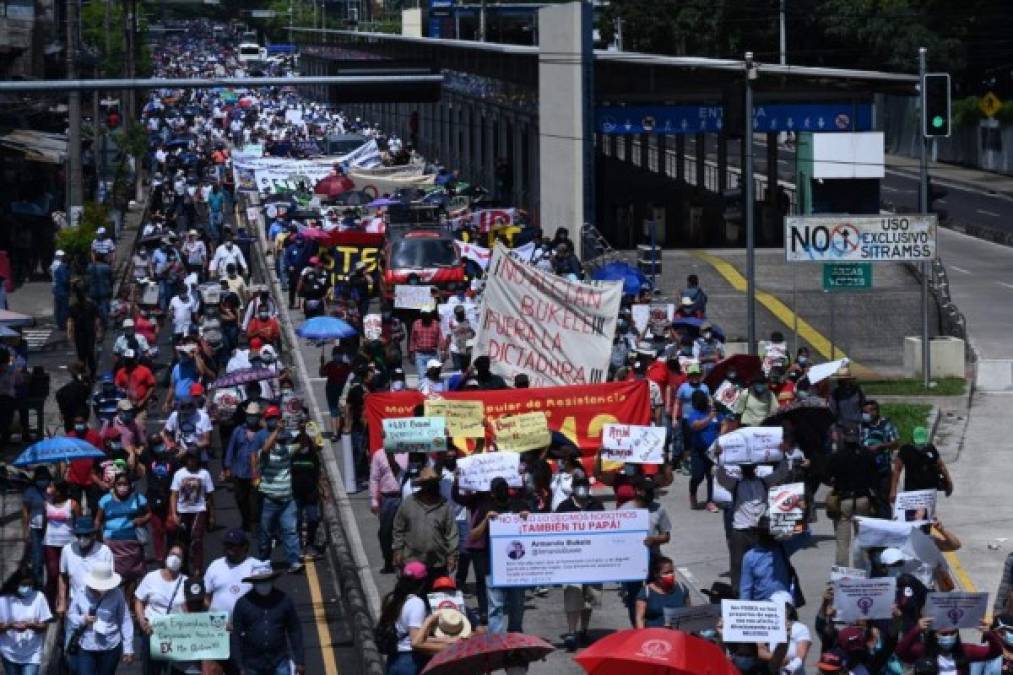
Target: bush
(76, 241)
(966, 112)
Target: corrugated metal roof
(37, 146)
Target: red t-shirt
(79, 471)
(137, 383)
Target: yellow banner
(465, 419)
(520, 433)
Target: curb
(355, 582)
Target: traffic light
(936, 105)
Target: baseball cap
(128, 323)
(272, 411)
(433, 363)
(920, 435)
(832, 660)
(414, 570)
(256, 344)
(196, 389)
(444, 584)
(59, 253)
(125, 404)
(253, 409)
(235, 537)
(100, 230)
(314, 260)
(693, 369)
(891, 556)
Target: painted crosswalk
(36, 337)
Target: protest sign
(372, 326)
(407, 296)
(465, 419)
(252, 215)
(189, 637)
(446, 310)
(475, 253)
(693, 619)
(640, 314)
(784, 507)
(838, 572)
(579, 411)
(877, 532)
(293, 116)
(860, 599)
(475, 472)
(415, 434)
(915, 505)
(751, 621)
(585, 547)
(727, 395)
(646, 315)
(441, 600)
(554, 330)
(955, 610)
(752, 445)
(342, 251)
(633, 444)
(519, 433)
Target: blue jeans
(421, 358)
(405, 663)
(280, 515)
(38, 561)
(506, 608)
(61, 310)
(11, 668)
(97, 663)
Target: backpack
(386, 638)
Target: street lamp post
(747, 192)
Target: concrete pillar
(489, 148)
(517, 163)
(771, 197)
(467, 152)
(530, 177)
(700, 150)
(680, 156)
(565, 96)
(722, 162)
(662, 150)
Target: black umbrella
(807, 414)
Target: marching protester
(267, 627)
(26, 616)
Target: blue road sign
(691, 119)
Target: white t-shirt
(158, 594)
(77, 567)
(191, 490)
(799, 632)
(413, 615)
(182, 311)
(201, 423)
(23, 646)
(224, 582)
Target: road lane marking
(962, 576)
(887, 188)
(320, 616)
(988, 213)
(959, 269)
(780, 310)
(1003, 283)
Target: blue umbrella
(325, 328)
(632, 278)
(57, 449)
(693, 324)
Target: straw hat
(452, 624)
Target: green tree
(109, 44)
(132, 139)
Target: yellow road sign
(989, 104)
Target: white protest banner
(554, 330)
(441, 600)
(372, 326)
(415, 434)
(586, 547)
(915, 505)
(633, 444)
(752, 445)
(475, 472)
(838, 572)
(408, 296)
(822, 371)
(877, 532)
(520, 433)
(751, 621)
(524, 252)
(693, 619)
(860, 599)
(851, 238)
(465, 419)
(784, 507)
(955, 610)
(189, 637)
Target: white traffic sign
(844, 238)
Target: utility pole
(75, 186)
(290, 21)
(481, 22)
(923, 207)
(619, 33)
(784, 33)
(747, 195)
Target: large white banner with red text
(554, 330)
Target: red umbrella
(314, 233)
(654, 651)
(245, 102)
(488, 652)
(332, 186)
(746, 367)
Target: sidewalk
(974, 179)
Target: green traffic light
(938, 121)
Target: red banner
(579, 411)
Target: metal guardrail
(951, 320)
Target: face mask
(946, 642)
(707, 335)
(263, 316)
(803, 360)
(667, 581)
(581, 492)
(173, 563)
(85, 542)
(80, 428)
(396, 385)
(23, 591)
(115, 446)
(252, 421)
(708, 634)
(1007, 638)
(866, 418)
(262, 587)
(127, 417)
(630, 469)
(759, 388)
(122, 490)
(272, 424)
